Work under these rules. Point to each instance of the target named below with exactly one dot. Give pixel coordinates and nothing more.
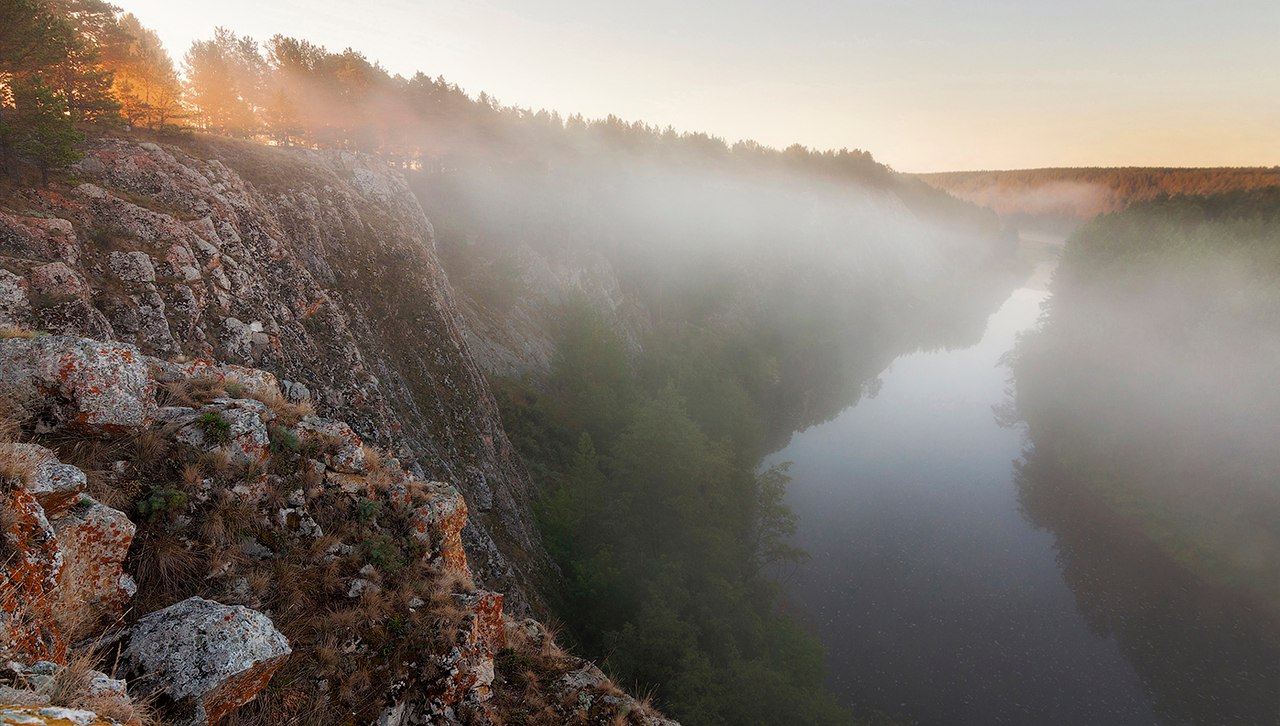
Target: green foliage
(31, 37)
(225, 74)
(44, 131)
(162, 503)
(1151, 383)
(214, 427)
(283, 440)
(145, 81)
(383, 552)
(367, 509)
(664, 529)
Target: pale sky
(924, 85)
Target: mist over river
(937, 600)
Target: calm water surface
(936, 599)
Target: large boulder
(469, 664)
(206, 657)
(94, 539)
(439, 523)
(237, 426)
(29, 572)
(84, 383)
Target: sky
(924, 85)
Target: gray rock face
(133, 266)
(349, 456)
(325, 275)
(208, 656)
(236, 426)
(96, 386)
(14, 308)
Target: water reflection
(1205, 655)
(936, 598)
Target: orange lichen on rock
(29, 585)
(470, 662)
(439, 522)
(96, 386)
(94, 539)
(51, 716)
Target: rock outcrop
(316, 266)
(262, 537)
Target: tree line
(67, 63)
(64, 63)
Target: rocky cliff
(316, 266)
(227, 555)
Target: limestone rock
(235, 426)
(133, 266)
(349, 456)
(56, 282)
(15, 308)
(439, 523)
(29, 582)
(51, 716)
(38, 238)
(208, 657)
(94, 539)
(214, 265)
(469, 663)
(252, 379)
(54, 485)
(598, 700)
(92, 385)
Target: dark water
(936, 598)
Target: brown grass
(166, 571)
(69, 688)
(287, 413)
(15, 465)
(11, 331)
(191, 392)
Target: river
(937, 600)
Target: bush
(283, 440)
(214, 427)
(162, 503)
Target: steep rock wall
(317, 266)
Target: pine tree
(145, 79)
(45, 132)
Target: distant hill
(1054, 202)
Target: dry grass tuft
(191, 392)
(166, 571)
(15, 465)
(150, 450)
(287, 412)
(14, 331)
(70, 687)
